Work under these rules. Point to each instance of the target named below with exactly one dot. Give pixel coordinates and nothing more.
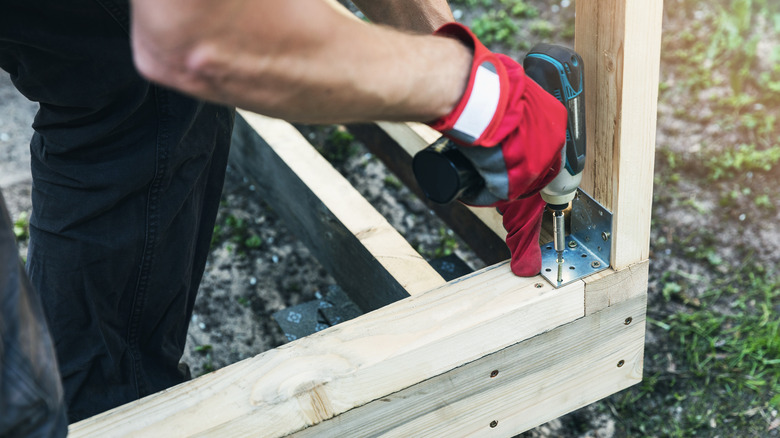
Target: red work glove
(512, 130)
(523, 223)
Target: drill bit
(559, 237)
(560, 268)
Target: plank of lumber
(370, 358)
(620, 43)
(610, 287)
(480, 238)
(369, 259)
(515, 389)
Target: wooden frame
(489, 353)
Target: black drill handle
(444, 173)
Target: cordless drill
(444, 174)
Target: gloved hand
(506, 124)
(523, 223)
(513, 131)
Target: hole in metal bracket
(584, 248)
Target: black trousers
(31, 403)
(127, 178)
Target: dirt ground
(258, 267)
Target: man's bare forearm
(413, 15)
(300, 60)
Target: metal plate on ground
(587, 250)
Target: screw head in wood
(539, 285)
(628, 320)
(493, 423)
(494, 373)
(621, 363)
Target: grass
(737, 349)
(208, 364)
(447, 243)
(719, 370)
(236, 232)
(720, 48)
(743, 158)
(444, 245)
(392, 182)
(22, 227)
(339, 146)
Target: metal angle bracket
(588, 247)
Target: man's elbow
(183, 70)
(147, 64)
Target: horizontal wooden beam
(515, 389)
(413, 347)
(369, 259)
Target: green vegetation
(721, 50)
(520, 8)
(725, 36)
(763, 201)
(391, 181)
(208, 365)
(739, 351)
(543, 29)
(22, 227)
(743, 159)
(473, 3)
(203, 348)
(739, 26)
(495, 26)
(253, 241)
(236, 232)
(516, 8)
(447, 243)
(568, 29)
(718, 372)
(339, 146)
(513, 26)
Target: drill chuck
(559, 231)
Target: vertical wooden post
(620, 42)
